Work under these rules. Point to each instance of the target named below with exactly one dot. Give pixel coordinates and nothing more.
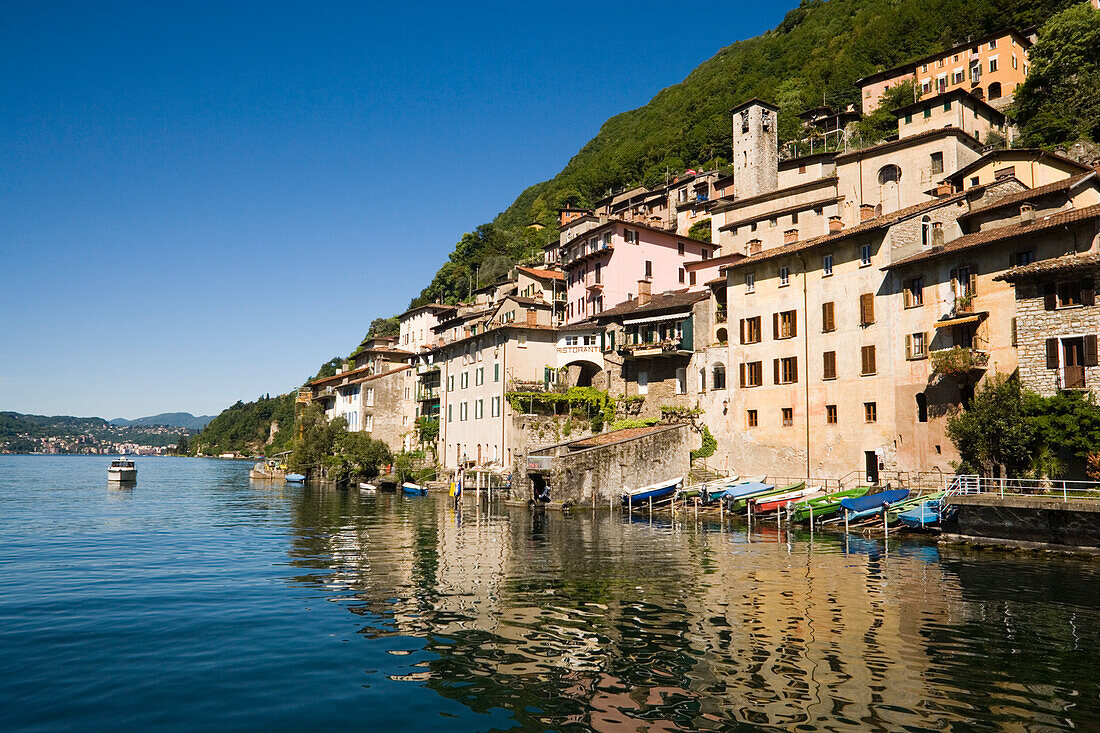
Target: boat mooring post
(811, 521)
(845, 521)
(651, 507)
(885, 521)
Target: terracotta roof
(978, 239)
(905, 141)
(1038, 154)
(616, 435)
(1032, 193)
(728, 203)
(429, 306)
(545, 274)
(587, 324)
(912, 65)
(526, 301)
(1065, 263)
(359, 375)
(867, 226)
(939, 99)
(658, 302)
(780, 212)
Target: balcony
(668, 347)
(587, 252)
(427, 393)
(720, 316)
(959, 361)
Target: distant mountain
(171, 419)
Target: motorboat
(295, 478)
(367, 488)
(270, 470)
(122, 469)
(413, 489)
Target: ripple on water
(200, 598)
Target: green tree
(355, 456)
(181, 445)
(1059, 102)
(328, 369)
(882, 123)
(994, 432)
(383, 327)
(315, 439)
(700, 230)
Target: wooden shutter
(908, 347)
(829, 367)
(776, 375)
(794, 323)
(742, 330)
(827, 317)
(1050, 299)
(906, 294)
(742, 374)
(794, 364)
(871, 360)
(1088, 292)
(775, 325)
(972, 282)
(1052, 353)
(1090, 350)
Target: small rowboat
(739, 503)
(367, 488)
(924, 514)
(862, 507)
(413, 489)
(295, 478)
(658, 492)
(707, 488)
(823, 506)
(774, 503)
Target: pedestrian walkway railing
(1020, 487)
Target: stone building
(959, 109)
(1057, 322)
(650, 345)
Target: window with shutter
(866, 309)
(742, 374)
(1088, 292)
(1090, 350)
(775, 366)
(829, 371)
(775, 325)
(1050, 297)
(868, 354)
(828, 322)
(1052, 353)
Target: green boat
(824, 506)
(741, 502)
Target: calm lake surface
(199, 600)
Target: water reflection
(601, 622)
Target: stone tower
(755, 148)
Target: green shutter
(688, 338)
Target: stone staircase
(701, 473)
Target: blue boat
(742, 490)
(658, 492)
(925, 514)
(413, 489)
(295, 478)
(860, 507)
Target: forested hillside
(816, 53)
(246, 427)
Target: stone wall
(1034, 326)
(603, 471)
(1047, 521)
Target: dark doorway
(871, 459)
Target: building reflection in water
(593, 620)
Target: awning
(959, 320)
(658, 319)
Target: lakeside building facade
(990, 68)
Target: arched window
(889, 174)
(925, 231)
(719, 380)
(703, 380)
(722, 336)
(995, 90)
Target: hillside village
(820, 314)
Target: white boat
(367, 488)
(122, 469)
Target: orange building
(990, 68)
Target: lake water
(199, 600)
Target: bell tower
(755, 148)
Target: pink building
(603, 267)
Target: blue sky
(201, 202)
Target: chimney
(790, 236)
(532, 317)
(937, 234)
(944, 189)
(866, 212)
(644, 291)
(1027, 212)
(836, 224)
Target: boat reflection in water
(608, 621)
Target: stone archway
(581, 373)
